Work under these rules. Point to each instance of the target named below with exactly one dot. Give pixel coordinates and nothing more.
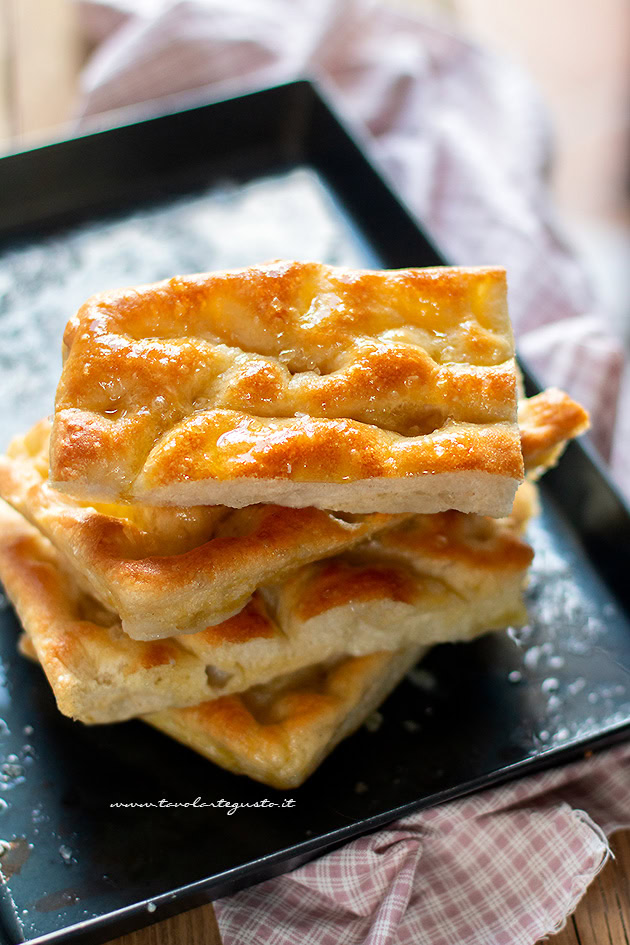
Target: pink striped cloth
(465, 139)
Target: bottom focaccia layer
(279, 733)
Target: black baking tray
(122, 205)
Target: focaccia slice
(419, 591)
(168, 571)
(165, 570)
(297, 384)
(281, 732)
(547, 422)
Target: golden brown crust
(468, 540)
(336, 584)
(376, 599)
(226, 445)
(279, 733)
(280, 736)
(297, 383)
(96, 672)
(441, 582)
(211, 559)
(251, 623)
(547, 422)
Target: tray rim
(200, 893)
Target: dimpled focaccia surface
(166, 570)
(169, 570)
(294, 383)
(280, 732)
(439, 578)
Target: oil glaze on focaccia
(443, 578)
(167, 571)
(297, 384)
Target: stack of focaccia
(377, 411)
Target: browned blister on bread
(297, 384)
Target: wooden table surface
(39, 57)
